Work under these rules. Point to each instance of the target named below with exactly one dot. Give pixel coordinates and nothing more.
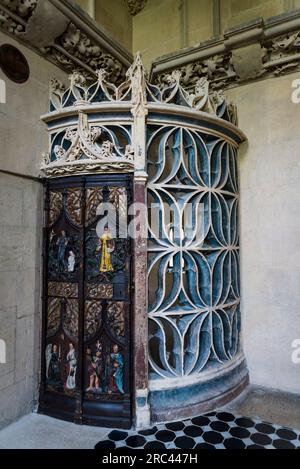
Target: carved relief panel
(86, 338)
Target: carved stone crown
(89, 144)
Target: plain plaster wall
(23, 138)
(270, 229)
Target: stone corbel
(247, 62)
(44, 14)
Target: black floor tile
(244, 422)
(106, 444)
(117, 435)
(234, 443)
(193, 430)
(201, 421)
(219, 426)
(148, 432)
(239, 432)
(225, 417)
(209, 431)
(265, 428)
(184, 442)
(175, 426)
(154, 445)
(165, 436)
(286, 434)
(213, 437)
(261, 439)
(283, 444)
(204, 446)
(135, 441)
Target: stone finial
(137, 75)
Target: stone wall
(23, 138)
(236, 12)
(270, 229)
(113, 16)
(166, 26)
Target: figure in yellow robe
(106, 246)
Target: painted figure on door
(116, 371)
(72, 365)
(62, 242)
(71, 261)
(53, 366)
(95, 368)
(106, 246)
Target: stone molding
(256, 50)
(63, 34)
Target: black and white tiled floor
(216, 430)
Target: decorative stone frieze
(70, 39)
(260, 49)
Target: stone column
(140, 340)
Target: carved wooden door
(86, 362)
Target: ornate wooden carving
(86, 305)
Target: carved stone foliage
(135, 6)
(171, 88)
(23, 8)
(14, 15)
(217, 70)
(247, 53)
(80, 46)
(281, 54)
(73, 49)
(97, 147)
(87, 147)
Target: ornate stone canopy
(64, 35)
